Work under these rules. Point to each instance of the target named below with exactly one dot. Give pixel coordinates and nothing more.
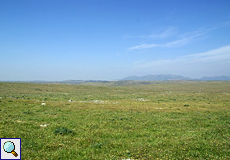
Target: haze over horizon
(56, 40)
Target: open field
(118, 120)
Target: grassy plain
(118, 120)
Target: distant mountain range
(215, 78)
(167, 77)
(161, 77)
(68, 81)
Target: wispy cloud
(212, 62)
(215, 55)
(179, 39)
(183, 40)
(217, 26)
(145, 46)
(166, 33)
(171, 31)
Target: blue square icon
(10, 148)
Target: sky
(56, 40)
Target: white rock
(45, 125)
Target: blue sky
(112, 39)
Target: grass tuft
(63, 131)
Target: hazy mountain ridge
(62, 82)
(167, 77)
(144, 79)
(215, 78)
(161, 77)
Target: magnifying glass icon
(9, 147)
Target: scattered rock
(141, 99)
(45, 125)
(96, 101)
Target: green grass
(159, 120)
